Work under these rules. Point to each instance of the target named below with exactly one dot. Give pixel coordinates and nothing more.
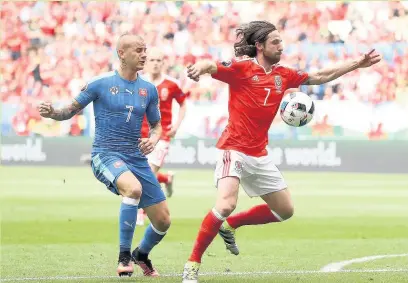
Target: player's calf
(278, 208)
(159, 215)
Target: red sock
(260, 214)
(208, 230)
(162, 178)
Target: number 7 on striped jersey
(130, 107)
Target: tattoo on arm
(155, 128)
(67, 112)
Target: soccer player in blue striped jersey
(120, 99)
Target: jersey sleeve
(296, 78)
(179, 95)
(231, 70)
(88, 94)
(153, 108)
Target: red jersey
(168, 89)
(254, 99)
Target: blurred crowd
(48, 50)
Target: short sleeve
(153, 108)
(179, 95)
(296, 78)
(231, 70)
(88, 93)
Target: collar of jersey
(123, 79)
(256, 62)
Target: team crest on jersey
(142, 92)
(255, 78)
(143, 97)
(164, 93)
(114, 90)
(278, 83)
(238, 167)
(226, 63)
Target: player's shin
(151, 238)
(260, 214)
(127, 222)
(208, 230)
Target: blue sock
(150, 239)
(127, 222)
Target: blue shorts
(107, 167)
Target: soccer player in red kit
(169, 90)
(256, 87)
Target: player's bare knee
(285, 212)
(129, 186)
(288, 212)
(163, 224)
(162, 221)
(227, 196)
(133, 191)
(226, 208)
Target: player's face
(273, 47)
(135, 55)
(154, 64)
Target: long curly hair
(249, 34)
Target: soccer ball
(296, 109)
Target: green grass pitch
(60, 225)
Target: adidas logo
(255, 78)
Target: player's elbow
(317, 78)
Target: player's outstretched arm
(332, 73)
(48, 111)
(200, 68)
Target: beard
(272, 58)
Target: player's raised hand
(45, 109)
(194, 72)
(146, 146)
(369, 59)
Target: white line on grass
(288, 272)
(89, 179)
(338, 266)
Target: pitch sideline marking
(288, 272)
(338, 266)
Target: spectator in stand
(48, 47)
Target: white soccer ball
(297, 109)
